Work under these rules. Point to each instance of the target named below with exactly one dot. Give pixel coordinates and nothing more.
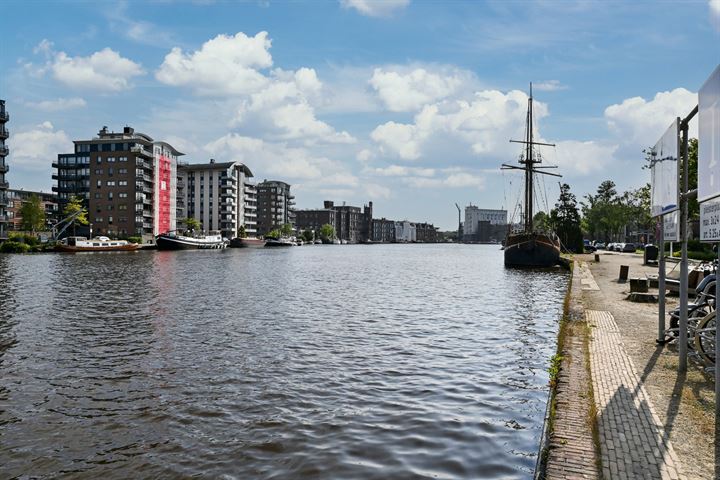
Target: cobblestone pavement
(633, 443)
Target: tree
(541, 222)
(192, 224)
(273, 234)
(565, 217)
(327, 232)
(307, 236)
(604, 214)
(286, 230)
(33, 214)
(242, 233)
(75, 205)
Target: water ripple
(355, 362)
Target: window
(122, 207)
(111, 159)
(99, 183)
(98, 219)
(97, 195)
(110, 207)
(98, 159)
(110, 220)
(122, 183)
(110, 183)
(122, 195)
(110, 195)
(122, 170)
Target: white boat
(97, 244)
(173, 241)
(279, 242)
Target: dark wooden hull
(531, 250)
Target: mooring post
(624, 271)
(597, 257)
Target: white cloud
(35, 149)
(103, 71)
(410, 91)
(583, 158)
(642, 122)
(714, 6)
(225, 65)
(373, 190)
(452, 180)
(402, 171)
(375, 8)
(59, 104)
(483, 125)
(549, 86)
(281, 160)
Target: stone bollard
(624, 271)
(597, 257)
(638, 285)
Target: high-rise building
(275, 206)
(127, 180)
(4, 134)
(221, 196)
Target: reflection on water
(353, 362)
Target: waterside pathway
(382, 361)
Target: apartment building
(4, 185)
(127, 180)
(275, 206)
(221, 196)
(15, 200)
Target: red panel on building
(163, 186)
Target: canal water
(315, 362)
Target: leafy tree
(75, 205)
(327, 232)
(307, 236)
(541, 222)
(286, 230)
(565, 217)
(242, 233)
(192, 224)
(604, 214)
(33, 214)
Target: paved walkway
(633, 443)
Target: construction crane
(459, 224)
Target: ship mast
(529, 164)
(528, 167)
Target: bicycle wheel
(705, 338)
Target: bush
(134, 239)
(695, 255)
(11, 246)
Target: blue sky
(406, 103)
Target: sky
(409, 104)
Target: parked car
(588, 246)
(619, 246)
(599, 245)
(610, 247)
(628, 247)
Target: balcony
(147, 225)
(139, 150)
(4, 150)
(4, 133)
(4, 185)
(4, 167)
(4, 116)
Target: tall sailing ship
(528, 247)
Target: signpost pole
(661, 283)
(682, 338)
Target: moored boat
(530, 248)
(173, 241)
(279, 242)
(248, 242)
(97, 244)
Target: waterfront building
(221, 196)
(405, 232)
(383, 230)
(15, 200)
(484, 225)
(4, 185)
(275, 206)
(426, 233)
(127, 181)
(351, 224)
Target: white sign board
(664, 173)
(671, 232)
(709, 138)
(710, 222)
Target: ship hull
(531, 250)
(168, 242)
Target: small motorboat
(279, 242)
(173, 241)
(97, 244)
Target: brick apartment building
(275, 206)
(4, 134)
